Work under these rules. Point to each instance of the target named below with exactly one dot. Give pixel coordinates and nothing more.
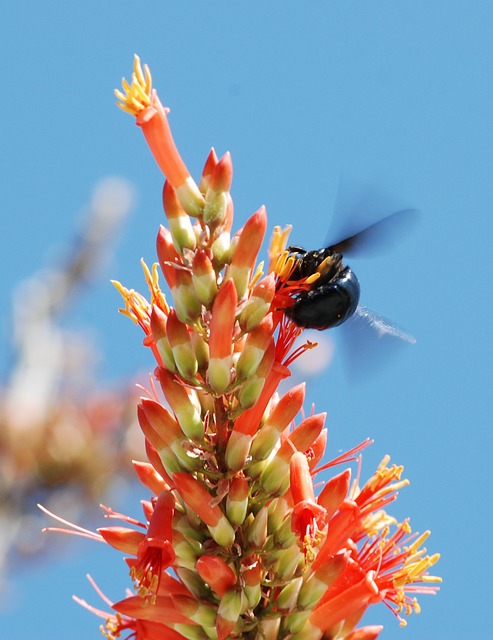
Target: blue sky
(398, 93)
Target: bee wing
(369, 341)
(380, 236)
(367, 220)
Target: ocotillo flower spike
(244, 536)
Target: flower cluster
(235, 541)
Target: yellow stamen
(277, 246)
(375, 522)
(136, 96)
(152, 278)
(136, 306)
(257, 275)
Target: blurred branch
(60, 432)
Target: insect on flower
(317, 290)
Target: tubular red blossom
(115, 625)
(157, 132)
(142, 101)
(155, 552)
(308, 518)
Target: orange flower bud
(254, 349)
(184, 404)
(197, 612)
(249, 243)
(370, 632)
(187, 305)
(216, 573)
(204, 278)
(199, 499)
(318, 449)
(237, 500)
(251, 388)
(252, 576)
(307, 432)
(158, 328)
(163, 608)
(180, 226)
(158, 443)
(163, 424)
(207, 171)
(326, 574)
(181, 346)
(245, 253)
(274, 478)
(288, 596)
(221, 337)
(232, 605)
(149, 477)
(122, 538)
(217, 195)
(258, 304)
(285, 411)
(167, 255)
(334, 492)
(257, 531)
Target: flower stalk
(243, 537)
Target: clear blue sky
(397, 92)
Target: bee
(334, 296)
(324, 292)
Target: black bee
(334, 297)
(335, 294)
